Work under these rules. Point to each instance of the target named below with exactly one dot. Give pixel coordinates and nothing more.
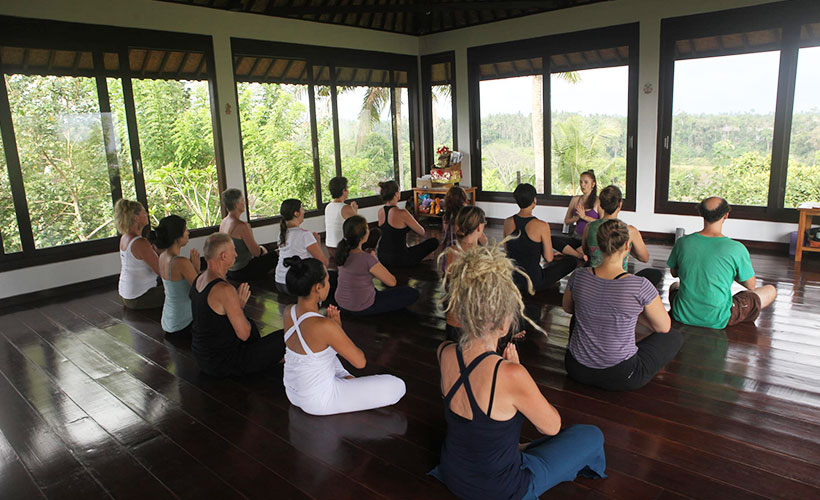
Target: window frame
(544, 47)
(789, 18)
(427, 62)
(333, 57)
(99, 40)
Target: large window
(313, 115)
(803, 181)
(589, 109)
(565, 105)
(276, 137)
(438, 86)
(86, 126)
(739, 113)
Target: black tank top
(525, 252)
(213, 339)
(393, 243)
(480, 458)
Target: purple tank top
(581, 224)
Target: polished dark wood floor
(95, 402)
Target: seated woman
(583, 209)
(252, 260)
(607, 304)
(337, 211)
(355, 292)
(139, 272)
(177, 274)
(395, 223)
(224, 342)
(611, 203)
(314, 378)
(487, 400)
(470, 223)
(295, 241)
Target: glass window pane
(327, 149)
(803, 180)
(9, 231)
(366, 137)
(403, 127)
(589, 110)
(511, 115)
(117, 102)
(275, 123)
(722, 127)
(59, 139)
(177, 149)
(442, 117)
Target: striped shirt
(606, 312)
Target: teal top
(243, 255)
(176, 313)
(707, 266)
(596, 256)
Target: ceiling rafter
(412, 17)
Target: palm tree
(537, 117)
(575, 146)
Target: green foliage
(8, 218)
(65, 173)
(176, 143)
(276, 146)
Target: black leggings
(550, 275)
(654, 352)
(256, 354)
(257, 268)
(412, 256)
(559, 241)
(390, 299)
(655, 276)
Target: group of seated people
(620, 334)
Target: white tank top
(136, 276)
(307, 377)
(333, 223)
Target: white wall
(222, 25)
(649, 14)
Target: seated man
(225, 342)
(611, 202)
(707, 263)
(532, 241)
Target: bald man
(224, 341)
(707, 263)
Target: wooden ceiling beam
(420, 8)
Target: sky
(727, 84)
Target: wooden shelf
(803, 225)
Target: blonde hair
(125, 211)
(467, 220)
(481, 293)
(214, 244)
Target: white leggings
(344, 395)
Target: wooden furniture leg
(801, 231)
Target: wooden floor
(95, 402)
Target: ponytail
(288, 208)
(354, 229)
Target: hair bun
(294, 262)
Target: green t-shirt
(707, 267)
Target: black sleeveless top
(525, 252)
(393, 243)
(213, 339)
(480, 458)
